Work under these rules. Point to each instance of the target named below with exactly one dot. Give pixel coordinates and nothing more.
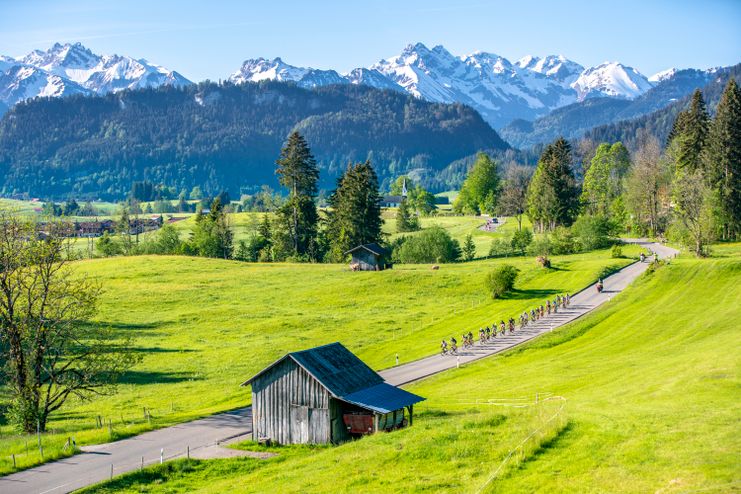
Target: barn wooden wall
(289, 406)
(365, 259)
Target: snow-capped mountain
(73, 69)
(22, 82)
(611, 79)
(501, 91)
(371, 77)
(498, 89)
(488, 82)
(260, 69)
(556, 67)
(663, 75)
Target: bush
(501, 280)
(563, 241)
(521, 240)
(432, 245)
(617, 251)
(500, 248)
(593, 232)
(540, 247)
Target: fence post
(13, 462)
(188, 453)
(38, 436)
(162, 455)
(111, 470)
(142, 467)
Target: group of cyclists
(489, 333)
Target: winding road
(101, 462)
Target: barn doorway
(309, 425)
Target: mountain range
(70, 69)
(501, 91)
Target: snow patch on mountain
(611, 79)
(261, 69)
(663, 75)
(371, 77)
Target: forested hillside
(573, 120)
(225, 137)
(659, 123)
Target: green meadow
(639, 396)
(203, 326)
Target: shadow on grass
(141, 377)
(563, 434)
(154, 349)
(528, 294)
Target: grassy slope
(203, 326)
(459, 227)
(652, 386)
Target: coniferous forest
(226, 137)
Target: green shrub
(500, 247)
(521, 240)
(501, 280)
(540, 247)
(617, 251)
(593, 232)
(563, 241)
(434, 244)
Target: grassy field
(203, 326)
(651, 390)
(459, 227)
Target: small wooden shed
(324, 395)
(369, 257)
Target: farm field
(203, 326)
(650, 384)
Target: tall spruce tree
(553, 196)
(406, 221)
(355, 214)
(722, 159)
(297, 171)
(690, 131)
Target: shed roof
(348, 378)
(373, 248)
(382, 398)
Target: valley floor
(639, 396)
(203, 326)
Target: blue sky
(210, 39)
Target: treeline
(688, 190)
(223, 137)
(659, 123)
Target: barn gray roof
(373, 248)
(348, 378)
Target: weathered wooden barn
(369, 257)
(322, 395)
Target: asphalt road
(100, 462)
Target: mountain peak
(72, 68)
(612, 79)
(663, 75)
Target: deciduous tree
(50, 348)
